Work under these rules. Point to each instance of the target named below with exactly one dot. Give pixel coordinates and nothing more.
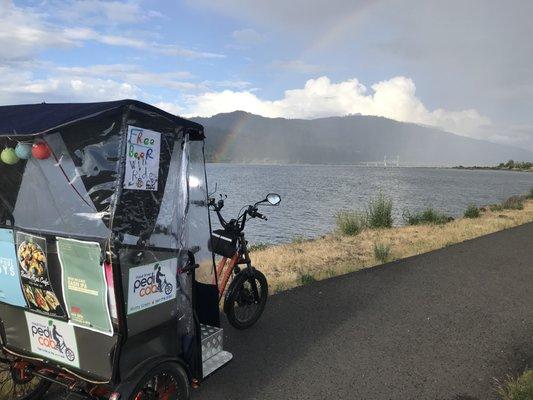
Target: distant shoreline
(361, 165)
(493, 169)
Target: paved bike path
(441, 325)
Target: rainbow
(222, 150)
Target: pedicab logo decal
(152, 284)
(142, 159)
(53, 339)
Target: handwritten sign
(142, 159)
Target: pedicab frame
(124, 221)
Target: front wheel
(246, 298)
(168, 381)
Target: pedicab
(108, 283)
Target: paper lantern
(23, 150)
(9, 156)
(41, 151)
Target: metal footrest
(213, 354)
(211, 365)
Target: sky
(462, 66)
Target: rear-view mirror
(273, 198)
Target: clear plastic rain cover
(98, 185)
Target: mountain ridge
(244, 137)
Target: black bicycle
(246, 297)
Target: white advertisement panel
(151, 284)
(53, 339)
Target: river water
(312, 194)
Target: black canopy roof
(32, 119)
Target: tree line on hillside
(509, 165)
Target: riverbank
(522, 166)
(303, 261)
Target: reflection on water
(312, 194)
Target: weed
(496, 207)
(306, 279)
(514, 203)
(472, 211)
(382, 252)
(299, 239)
(379, 212)
(520, 388)
(428, 216)
(258, 247)
(350, 222)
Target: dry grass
(334, 254)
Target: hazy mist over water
(312, 194)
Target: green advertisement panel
(84, 285)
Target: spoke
(246, 304)
(10, 390)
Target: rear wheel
(246, 299)
(167, 381)
(15, 384)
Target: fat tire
(171, 368)
(233, 291)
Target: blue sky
(460, 66)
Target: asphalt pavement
(443, 325)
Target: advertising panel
(53, 339)
(151, 284)
(10, 289)
(35, 279)
(84, 284)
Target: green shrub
(520, 388)
(258, 247)
(280, 287)
(382, 252)
(496, 207)
(379, 213)
(299, 239)
(306, 279)
(350, 222)
(530, 194)
(514, 203)
(472, 211)
(428, 216)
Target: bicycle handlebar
(250, 211)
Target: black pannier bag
(223, 243)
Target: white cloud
(394, 98)
(228, 84)
(294, 14)
(22, 87)
(25, 32)
(98, 12)
(172, 108)
(133, 74)
(296, 66)
(88, 34)
(247, 37)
